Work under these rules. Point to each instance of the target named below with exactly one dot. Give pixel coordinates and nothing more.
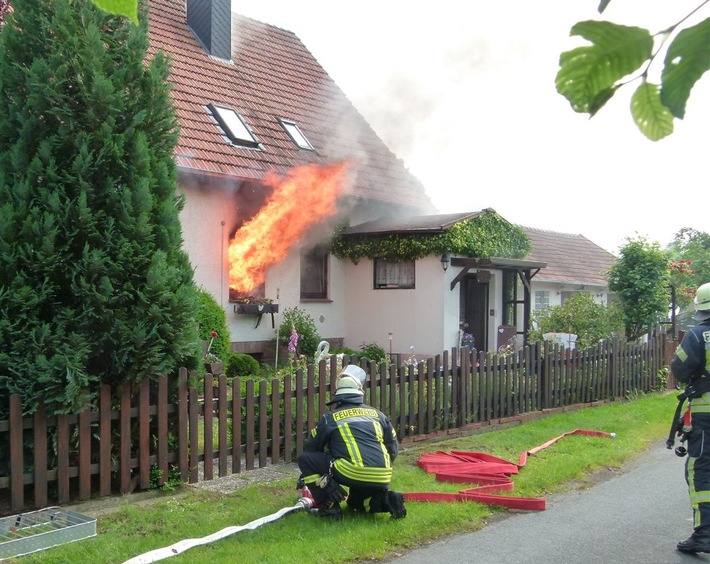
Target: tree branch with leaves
(590, 75)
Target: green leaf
(653, 118)
(128, 8)
(586, 72)
(687, 59)
(600, 100)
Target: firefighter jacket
(361, 441)
(692, 362)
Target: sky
(464, 93)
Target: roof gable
(271, 76)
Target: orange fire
(299, 200)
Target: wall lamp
(444, 261)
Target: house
(260, 120)
(574, 264)
(273, 159)
(465, 273)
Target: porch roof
(498, 262)
(435, 223)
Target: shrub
(373, 351)
(580, 315)
(302, 322)
(240, 365)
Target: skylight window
(296, 134)
(233, 126)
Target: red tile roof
(273, 76)
(571, 259)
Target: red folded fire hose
(492, 474)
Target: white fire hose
(183, 545)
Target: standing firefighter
(691, 366)
(353, 445)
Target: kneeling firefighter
(691, 366)
(353, 445)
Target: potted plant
(213, 364)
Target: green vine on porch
(488, 235)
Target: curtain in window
(314, 274)
(394, 274)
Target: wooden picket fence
(138, 437)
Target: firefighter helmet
(347, 390)
(356, 372)
(702, 302)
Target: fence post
(545, 376)
(17, 478)
(613, 369)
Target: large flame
(299, 200)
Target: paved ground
(637, 516)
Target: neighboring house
(251, 99)
(574, 264)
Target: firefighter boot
(395, 504)
(697, 542)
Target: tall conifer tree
(94, 284)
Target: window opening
(234, 126)
(314, 274)
(296, 135)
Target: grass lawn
(574, 461)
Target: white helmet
(356, 372)
(702, 302)
(347, 390)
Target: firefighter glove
(333, 490)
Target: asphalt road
(637, 516)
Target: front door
(474, 310)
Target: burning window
(296, 134)
(234, 127)
(299, 201)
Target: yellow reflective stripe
(313, 433)
(311, 478)
(691, 489)
(681, 354)
(380, 438)
(700, 497)
(362, 474)
(350, 443)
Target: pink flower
(293, 342)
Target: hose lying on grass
(490, 473)
(183, 545)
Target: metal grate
(38, 530)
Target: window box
(255, 309)
(258, 310)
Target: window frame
(224, 115)
(542, 304)
(386, 280)
(318, 258)
(296, 134)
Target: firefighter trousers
(697, 472)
